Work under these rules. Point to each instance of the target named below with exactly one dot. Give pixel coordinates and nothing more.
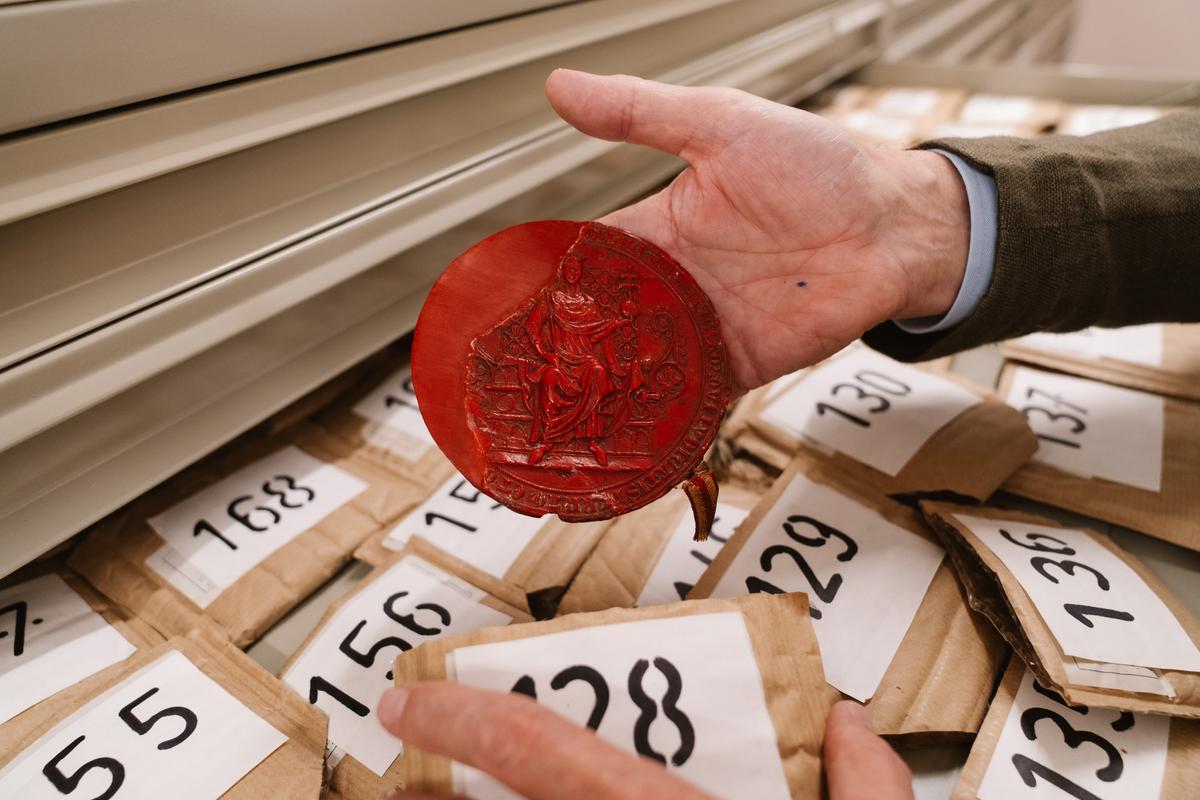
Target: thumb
(687, 122)
(859, 765)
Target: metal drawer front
(112, 52)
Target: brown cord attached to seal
(701, 489)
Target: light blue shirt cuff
(981, 253)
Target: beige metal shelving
(188, 268)
(176, 271)
(107, 53)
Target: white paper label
(219, 534)
(1137, 344)
(392, 405)
(1094, 119)
(1050, 750)
(1123, 677)
(1092, 429)
(348, 666)
(1095, 605)
(166, 731)
(683, 561)
(467, 523)
(869, 407)
(865, 577)
(908, 102)
(983, 109)
(685, 691)
(50, 638)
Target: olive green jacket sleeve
(1094, 230)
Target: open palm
(802, 237)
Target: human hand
(539, 754)
(859, 765)
(527, 747)
(802, 237)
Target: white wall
(1156, 34)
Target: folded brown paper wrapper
(968, 457)
(784, 648)
(1179, 375)
(349, 778)
(947, 663)
(372, 443)
(617, 570)
(1181, 777)
(136, 631)
(293, 770)
(113, 555)
(997, 594)
(1171, 514)
(542, 570)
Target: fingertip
(555, 79)
(564, 83)
(852, 714)
(391, 709)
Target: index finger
(530, 749)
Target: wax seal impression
(575, 369)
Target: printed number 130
(874, 380)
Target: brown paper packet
(968, 457)
(997, 594)
(543, 569)
(1171, 514)
(741, 456)
(784, 647)
(739, 446)
(1179, 375)
(1180, 781)
(135, 631)
(113, 554)
(349, 778)
(617, 570)
(293, 770)
(883, 100)
(374, 444)
(937, 684)
(1041, 113)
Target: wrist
(925, 229)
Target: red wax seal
(572, 368)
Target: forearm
(1097, 230)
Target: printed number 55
(67, 784)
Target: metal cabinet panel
(64, 59)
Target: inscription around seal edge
(579, 379)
